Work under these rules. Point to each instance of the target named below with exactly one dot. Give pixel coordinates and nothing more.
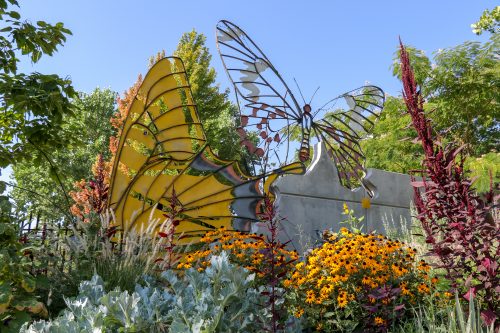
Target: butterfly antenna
(300, 91)
(315, 91)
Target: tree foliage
(460, 85)
(90, 129)
(489, 21)
(32, 106)
(391, 147)
(217, 113)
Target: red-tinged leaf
(162, 234)
(280, 275)
(489, 317)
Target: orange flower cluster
(244, 249)
(347, 271)
(91, 196)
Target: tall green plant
(35, 184)
(217, 113)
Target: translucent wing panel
(266, 103)
(343, 122)
(211, 192)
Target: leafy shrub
(95, 310)
(357, 281)
(263, 255)
(219, 299)
(18, 302)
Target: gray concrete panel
(313, 202)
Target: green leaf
(18, 319)
(14, 15)
(5, 296)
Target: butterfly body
(269, 109)
(306, 121)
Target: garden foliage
(18, 301)
(458, 224)
(219, 299)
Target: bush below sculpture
(218, 299)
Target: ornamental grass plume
(457, 223)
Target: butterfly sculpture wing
(163, 150)
(268, 108)
(344, 122)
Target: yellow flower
(365, 203)
(346, 209)
(310, 297)
(299, 313)
(379, 321)
(342, 302)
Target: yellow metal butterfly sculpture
(163, 154)
(163, 157)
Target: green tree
(217, 113)
(489, 21)
(462, 83)
(32, 106)
(390, 147)
(90, 128)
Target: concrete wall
(313, 202)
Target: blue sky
(337, 45)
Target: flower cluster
(354, 275)
(244, 249)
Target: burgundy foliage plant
(458, 224)
(275, 268)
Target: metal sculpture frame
(271, 116)
(163, 157)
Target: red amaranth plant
(275, 268)
(174, 209)
(457, 223)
